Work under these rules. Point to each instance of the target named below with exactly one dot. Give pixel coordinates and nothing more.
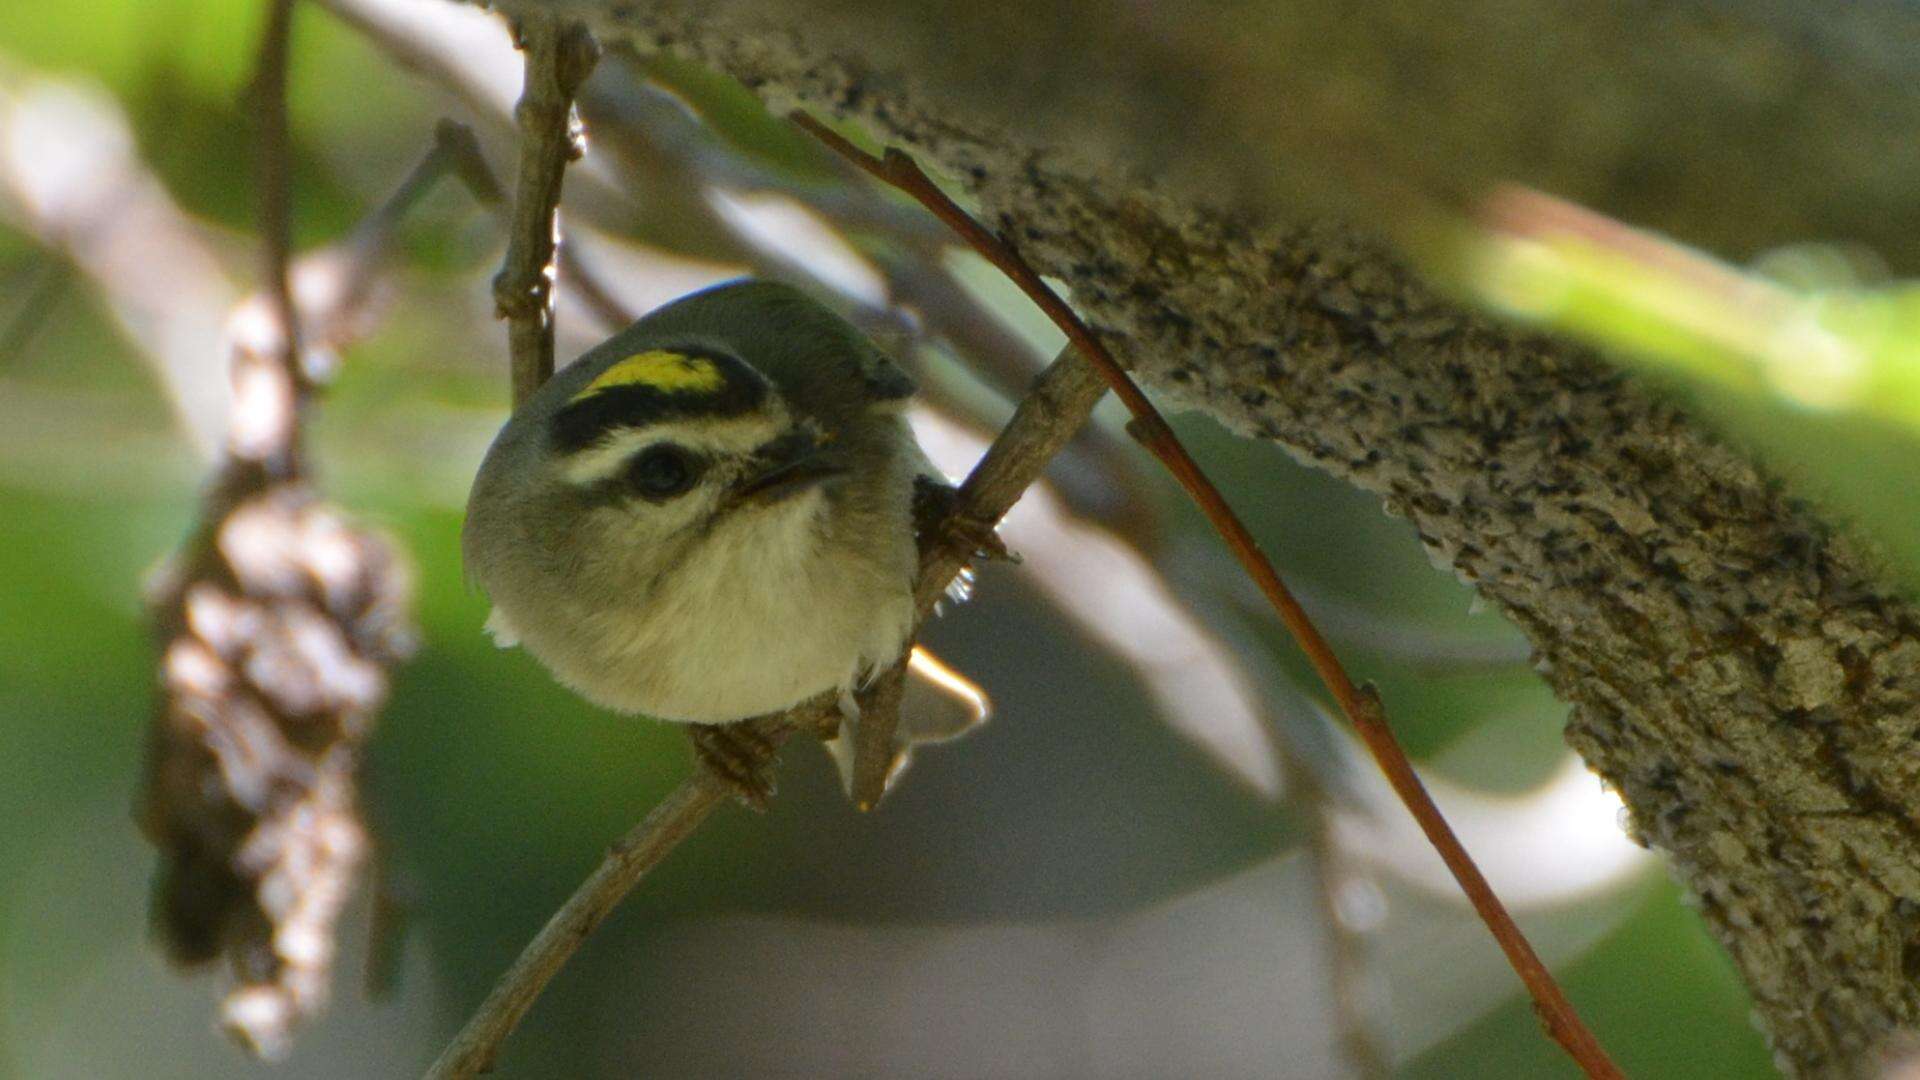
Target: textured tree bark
(1734, 667)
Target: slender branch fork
(559, 55)
(1061, 400)
(1360, 703)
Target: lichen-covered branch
(1735, 668)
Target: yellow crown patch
(668, 372)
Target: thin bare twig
(1346, 942)
(463, 154)
(1430, 651)
(676, 817)
(1361, 704)
(560, 55)
(1062, 398)
(273, 177)
(1066, 389)
(39, 288)
(645, 140)
(339, 283)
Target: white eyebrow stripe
(724, 437)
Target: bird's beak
(790, 464)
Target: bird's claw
(933, 513)
(740, 756)
(982, 538)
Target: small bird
(711, 516)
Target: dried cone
(276, 632)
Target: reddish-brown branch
(1361, 704)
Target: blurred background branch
(1733, 127)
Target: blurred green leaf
(1657, 992)
(1806, 363)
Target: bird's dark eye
(663, 471)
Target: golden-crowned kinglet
(709, 516)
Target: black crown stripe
(587, 420)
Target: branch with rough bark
(1736, 669)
